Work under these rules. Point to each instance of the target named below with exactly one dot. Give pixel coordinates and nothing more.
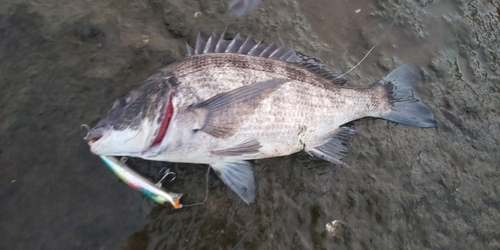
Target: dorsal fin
(318, 67)
(239, 45)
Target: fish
(231, 101)
(137, 182)
(240, 8)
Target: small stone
(142, 42)
(333, 227)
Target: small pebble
(332, 227)
(142, 42)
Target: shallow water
(64, 62)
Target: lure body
(139, 183)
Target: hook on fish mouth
(86, 138)
(92, 134)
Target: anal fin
(335, 147)
(239, 177)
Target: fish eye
(124, 101)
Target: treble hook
(167, 173)
(123, 159)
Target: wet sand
(63, 63)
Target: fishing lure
(139, 183)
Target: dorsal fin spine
(246, 46)
(211, 43)
(221, 45)
(238, 45)
(235, 44)
(200, 45)
(190, 50)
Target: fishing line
(373, 47)
(206, 193)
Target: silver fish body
(294, 116)
(232, 101)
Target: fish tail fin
(405, 109)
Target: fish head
(136, 121)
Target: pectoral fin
(239, 177)
(224, 112)
(250, 146)
(335, 147)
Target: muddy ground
(64, 62)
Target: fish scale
(282, 118)
(206, 64)
(234, 100)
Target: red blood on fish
(169, 111)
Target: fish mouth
(168, 113)
(95, 134)
(96, 137)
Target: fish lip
(97, 133)
(94, 142)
